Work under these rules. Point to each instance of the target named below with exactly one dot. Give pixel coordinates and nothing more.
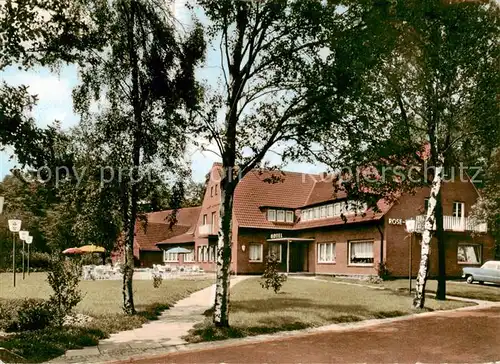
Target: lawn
(307, 303)
(104, 297)
(102, 300)
(488, 292)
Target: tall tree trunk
(221, 307)
(128, 294)
(441, 288)
(430, 219)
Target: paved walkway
(153, 337)
(461, 336)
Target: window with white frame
(280, 215)
(275, 249)
(271, 215)
(326, 253)
(289, 216)
(205, 253)
(189, 257)
(361, 252)
(255, 252)
(322, 212)
(458, 209)
(336, 209)
(469, 254)
(316, 213)
(170, 257)
(200, 254)
(211, 254)
(330, 210)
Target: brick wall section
(340, 235)
(397, 247)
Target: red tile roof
(147, 236)
(323, 191)
(158, 228)
(293, 191)
(183, 238)
(186, 216)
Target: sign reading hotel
(276, 236)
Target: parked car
(489, 272)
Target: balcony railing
(452, 223)
(205, 230)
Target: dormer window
(280, 215)
(332, 210)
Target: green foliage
(32, 315)
(271, 278)
(25, 314)
(382, 271)
(43, 345)
(64, 277)
(157, 280)
(40, 261)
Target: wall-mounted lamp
(243, 247)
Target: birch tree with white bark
(431, 96)
(271, 53)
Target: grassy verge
(306, 303)
(102, 301)
(487, 292)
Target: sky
(55, 103)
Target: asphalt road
(457, 337)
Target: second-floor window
(204, 219)
(280, 215)
(212, 191)
(458, 209)
(333, 210)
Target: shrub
(39, 261)
(157, 279)
(382, 271)
(34, 315)
(25, 315)
(64, 277)
(271, 277)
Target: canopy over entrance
(297, 253)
